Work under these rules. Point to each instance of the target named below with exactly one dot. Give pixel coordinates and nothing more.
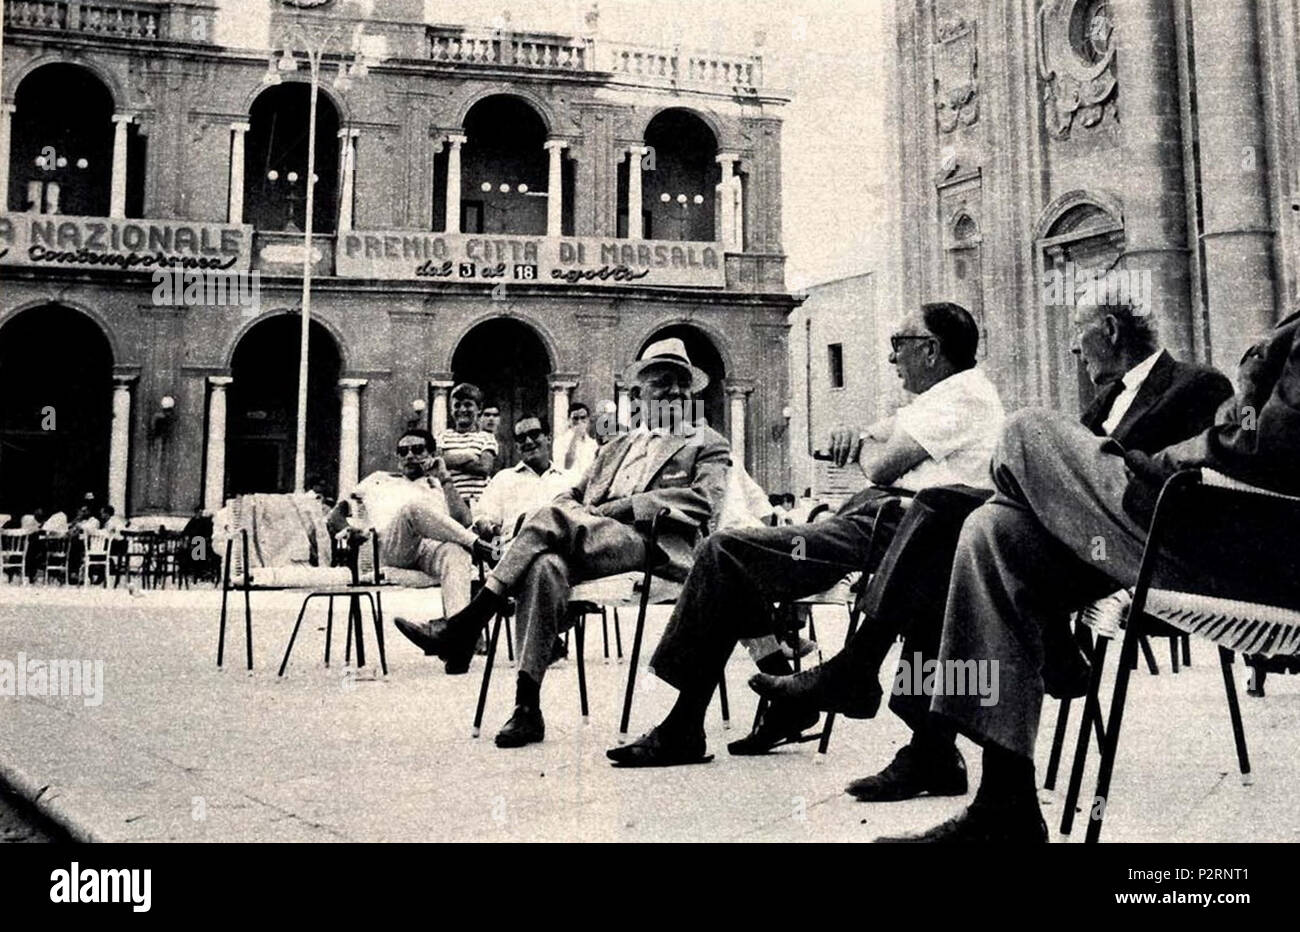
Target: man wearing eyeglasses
(528, 485)
(421, 519)
(945, 435)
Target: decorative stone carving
(1076, 62)
(956, 82)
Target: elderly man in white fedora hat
(597, 527)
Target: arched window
(679, 179)
(275, 161)
(504, 170)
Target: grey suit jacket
(688, 476)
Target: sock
(934, 740)
(775, 665)
(1008, 778)
(527, 691)
(686, 717)
(478, 612)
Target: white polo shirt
(957, 423)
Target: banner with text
(529, 259)
(56, 241)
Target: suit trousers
(739, 574)
(420, 538)
(1054, 538)
(556, 547)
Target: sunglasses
(578, 417)
(415, 449)
(897, 341)
(533, 435)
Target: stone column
(119, 446)
(738, 396)
(235, 210)
(1238, 233)
(1155, 214)
(624, 405)
(453, 142)
(560, 393)
(441, 398)
(6, 119)
(214, 481)
(729, 210)
(555, 186)
(350, 435)
(117, 186)
(634, 154)
(347, 171)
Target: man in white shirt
(576, 448)
(945, 435)
(520, 490)
(421, 518)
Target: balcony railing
(105, 18)
(555, 53)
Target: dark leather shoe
(524, 727)
(418, 633)
(660, 749)
(484, 552)
(1066, 671)
(981, 823)
(820, 687)
(782, 723)
(911, 774)
(454, 646)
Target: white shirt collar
(523, 467)
(1138, 374)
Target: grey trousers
(555, 548)
(434, 543)
(1054, 538)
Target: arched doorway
(678, 185)
(507, 359)
(262, 409)
(61, 156)
(56, 410)
(504, 170)
(703, 353)
(275, 161)
(1083, 241)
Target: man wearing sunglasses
(421, 518)
(528, 485)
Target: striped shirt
(476, 441)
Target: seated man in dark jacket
(1146, 401)
(1025, 560)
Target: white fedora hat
(672, 352)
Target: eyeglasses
(897, 340)
(534, 435)
(578, 417)
(415, 449)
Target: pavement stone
(181, 751)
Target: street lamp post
(315, 55)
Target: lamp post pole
(300, 440)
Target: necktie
(1106, 402)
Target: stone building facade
(469, 221)
(1049, 140)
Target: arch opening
(504, 170)
(275, 161)
(680, 175)
(704, 355)
(508, 360)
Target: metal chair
(58, 549)
(137, 557)
(98, 545)
(1238, 585)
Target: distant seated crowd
(985, 566)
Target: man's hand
(846, 444)
(620, 509)
(437, 468)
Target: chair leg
(722, 701)
(377, 612)
(824, 744)
(1101, 798)
(487, 677)
(1091, 709)
(355, 618)
(604, 631)
(329, 628)
(618, 636)
(1234, 712)
(294, 636)
(510, 638)
(631, 671)
(1058, 741)
(579, 640)
(1187, 650)
(225, 591)
(248, 625)
(1173, 654)
(1150, 655)
(347, 647)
